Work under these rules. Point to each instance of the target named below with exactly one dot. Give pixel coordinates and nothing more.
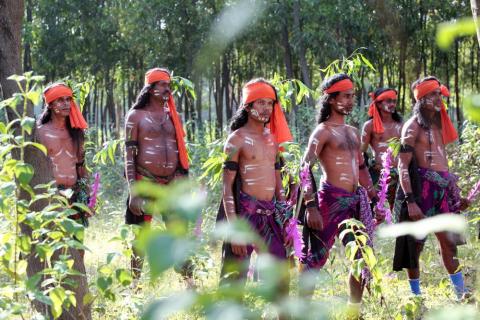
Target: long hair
(418, 112)
(143, 97)
(240, 118)
(77, 135)
(325, 109)
(395, 115)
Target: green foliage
(351, 65)
(360, 254)
(448, 31)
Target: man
(384, 124)
(154, 150)
(427, 188)
(61, 130)
(252, 185)
(337, 146)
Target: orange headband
(424, 88)
(449, 134)
(56, 92)
(155, 75)
(342, 85)
(278, 124)
(373, 111)
(258, 90)
(387, 94)
(76, 118)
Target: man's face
(161, 90)
(261, 110)
(388, 105)
(432, 101)
(61, 106)
(343, 102)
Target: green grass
(332, 288)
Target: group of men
(252, 186)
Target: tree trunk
(301, 47)
(198, 102)
(27, 57)
(11, 14)
(225, 85)
(218, 102)
(457, 89)
(475, 4)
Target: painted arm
(408, 139)
(131, 147)
(315, 146)
(366, 136)
(232, 149)
(279, 191)
(364, 177)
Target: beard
(423, 119)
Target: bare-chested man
(61, 130)
(427, 187)
(252, 186)
(384, 124)
(155, 149)
(337, 146)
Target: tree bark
(475, 4)
(301, 47)
(11, 15)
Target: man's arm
(364, 177)
(232, 150)
(315, 146)
(279, 191)
(366, 136)
(408, 139)
(131, 147)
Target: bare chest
(59, 144)
(156, 126)
(259, 149)
(343, 139)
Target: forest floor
(397, 302)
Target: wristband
(410, 198)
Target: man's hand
(239, 249)
(379, 214)
(414, 212)
(464, 204)
(135, 205)
(314, 219)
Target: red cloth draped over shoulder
(278, 124)
(449, 134)
(155, 75)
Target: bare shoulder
(234, 141)
(133, 116)
(411, 125)
(367, 126)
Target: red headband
(155, 75)
(449, 134)
(278, 124)
(342, 85)
(373, 111)
(60, 90)
(258, 90)
(424, 88)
